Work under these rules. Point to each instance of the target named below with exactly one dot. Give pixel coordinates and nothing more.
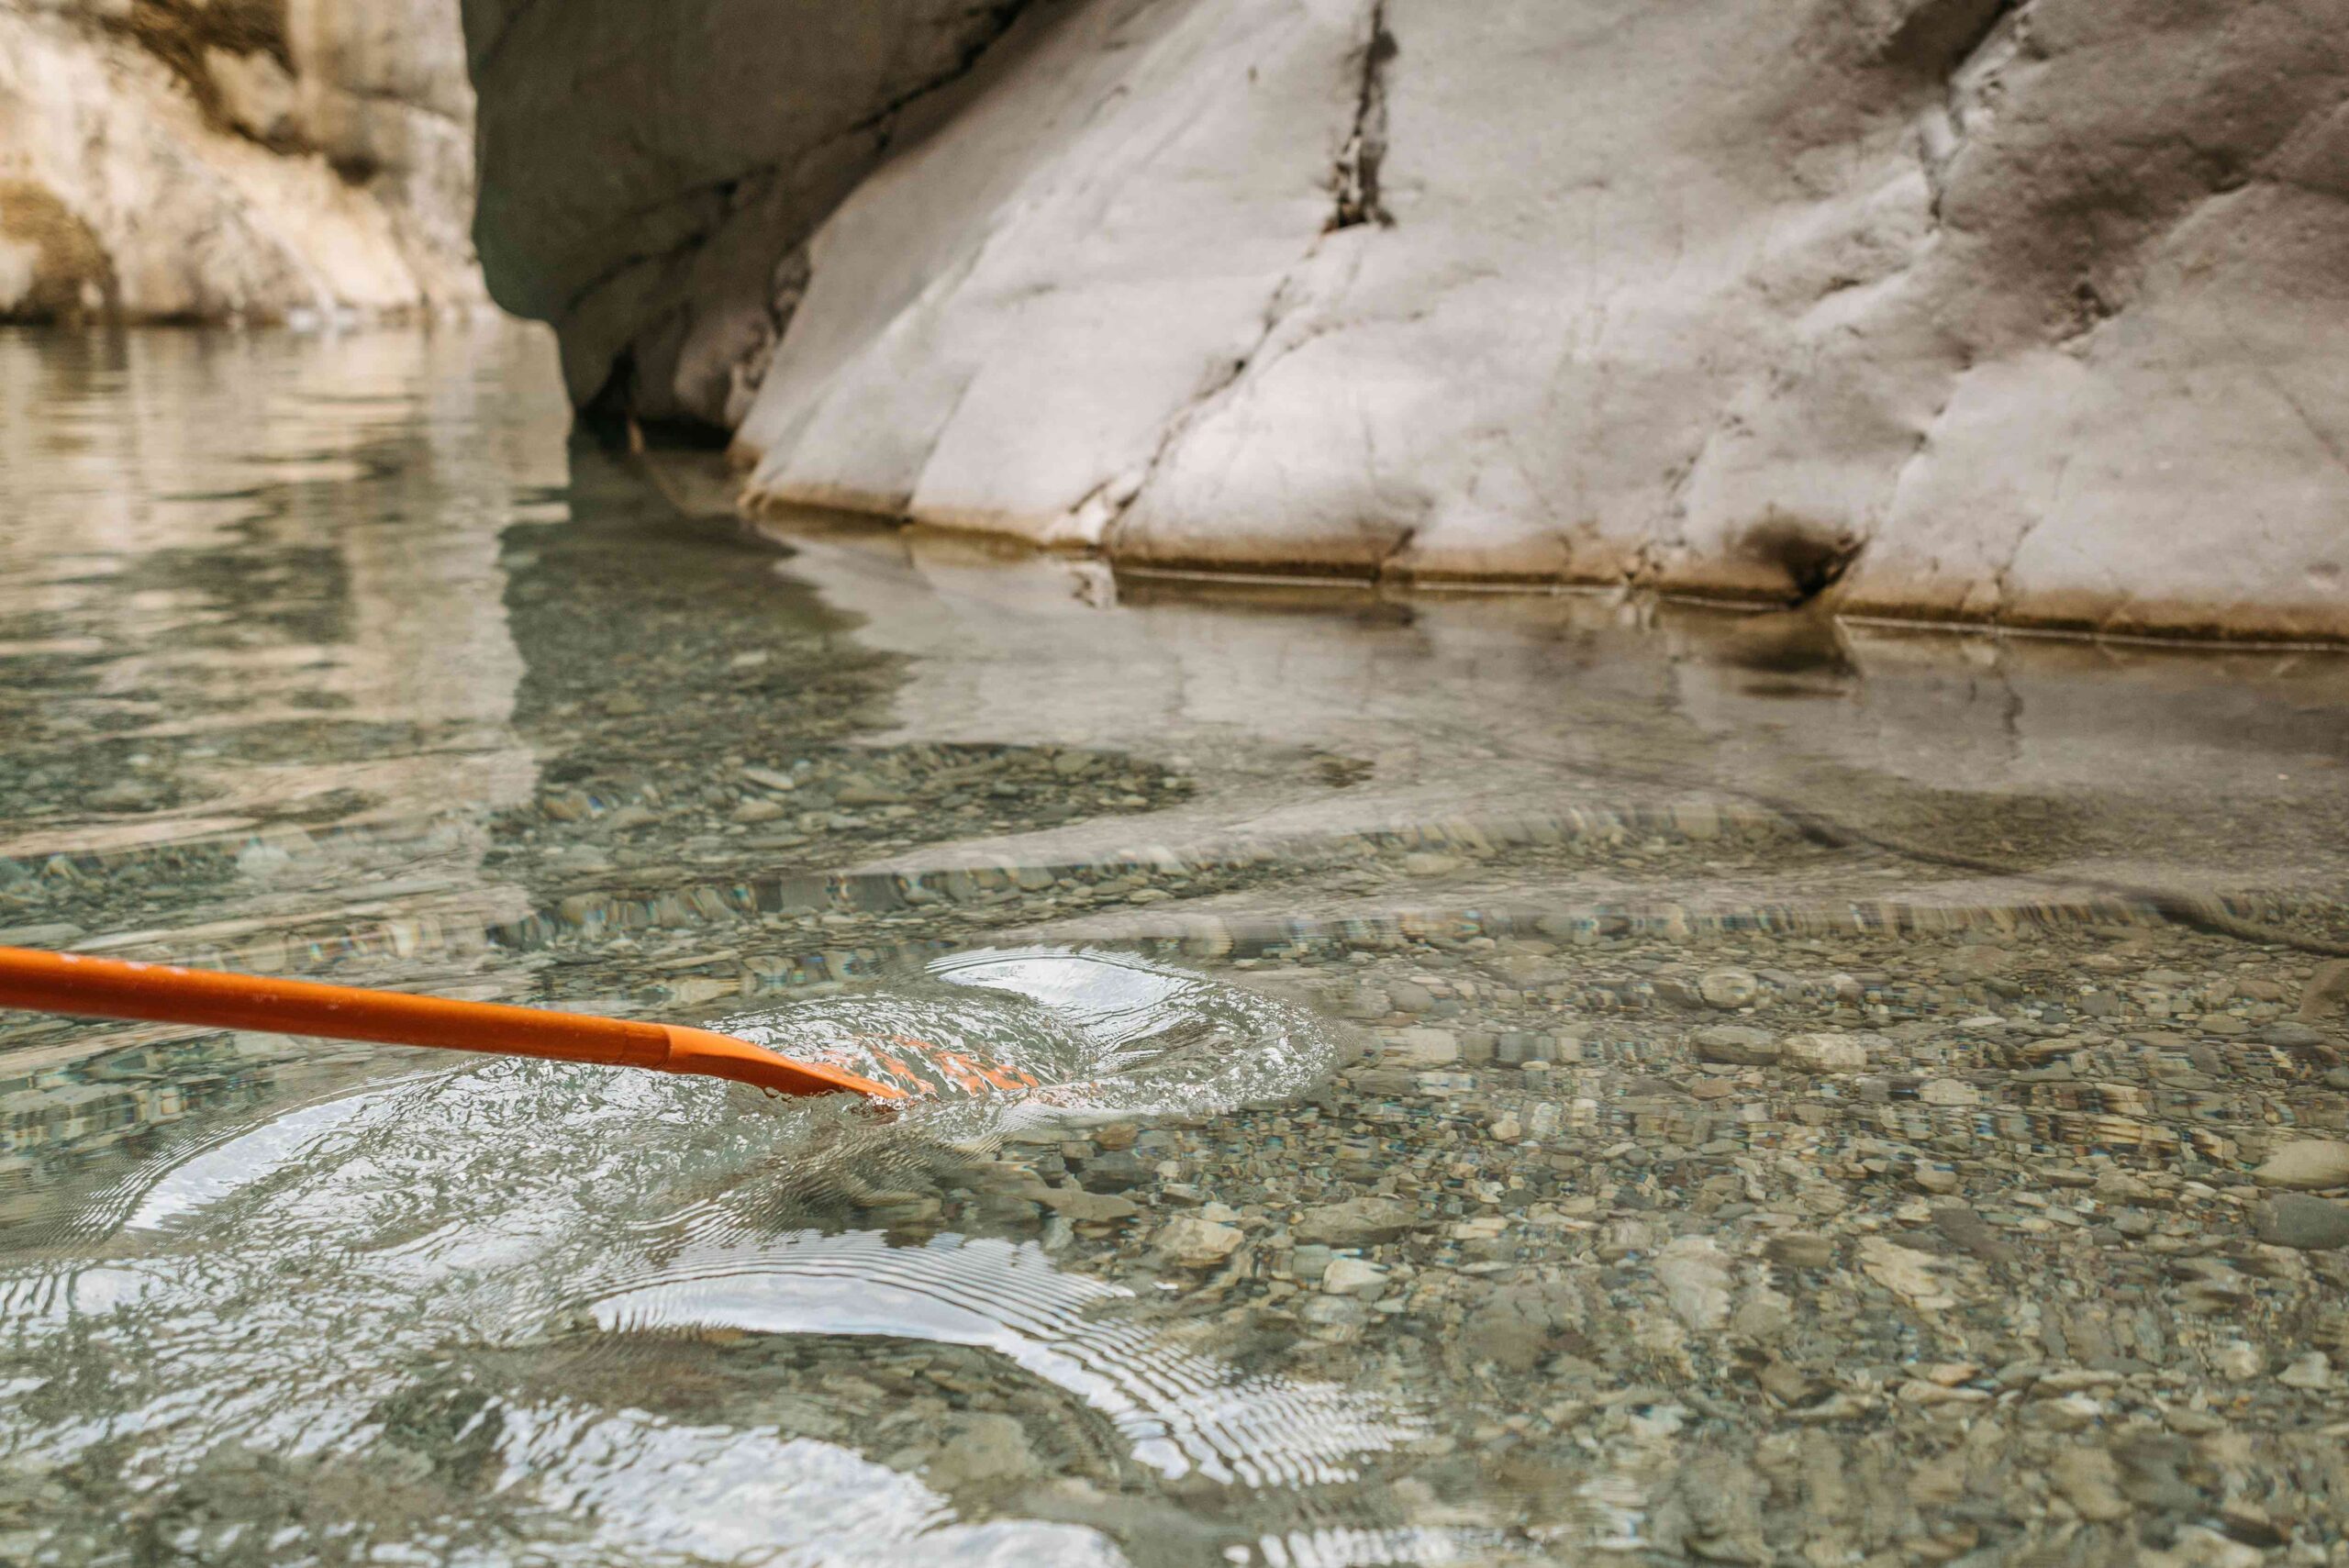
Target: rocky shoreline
(2022, 315)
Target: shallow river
(1519, 1078)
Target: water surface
(1517, 1077)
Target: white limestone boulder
(2022, 311)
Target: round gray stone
(2297, 1220)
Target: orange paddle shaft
(106, 988)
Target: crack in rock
(999, 17)
(1356, 177)
(1098, 515)
(786, 288)
(1120, 495)
(1967, 86)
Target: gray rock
(1325, 1311)
(1520, 1322)
(1407, 997)
(605, 219)
(2327, 991)
(983, 1447)
(1736, 1045)
(1353, 1276)
(2306, 1164)
(51, 934)
(1972, 1232)
(1196, 1243)
(1082, 1207)
(772, 779)
(1696, 1275)
(1118, 1171)
(2090, 1482)
(1360, 1222)
(126, 796)
(2297, 1220)
(1677, 992)
(858, 789)
(1800, 1249)
(1423, 1048)
(1824, 1054)
(1729, 988)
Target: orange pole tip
(109, 988)
(718, 1055)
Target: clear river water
(1522, 1077)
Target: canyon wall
(649, 171)
(2030, 313)
(234, 160)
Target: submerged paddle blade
(715, 1055)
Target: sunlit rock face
(221, 160)
(2034, 313)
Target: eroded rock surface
(219, 160)
(2031, 313)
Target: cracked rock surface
(2030, 313)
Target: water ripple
(1182, 1412)
(1041, 1034)
(352, 1298)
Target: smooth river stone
(2310, 1163)
(1824, 1053)
(2297, 1220)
